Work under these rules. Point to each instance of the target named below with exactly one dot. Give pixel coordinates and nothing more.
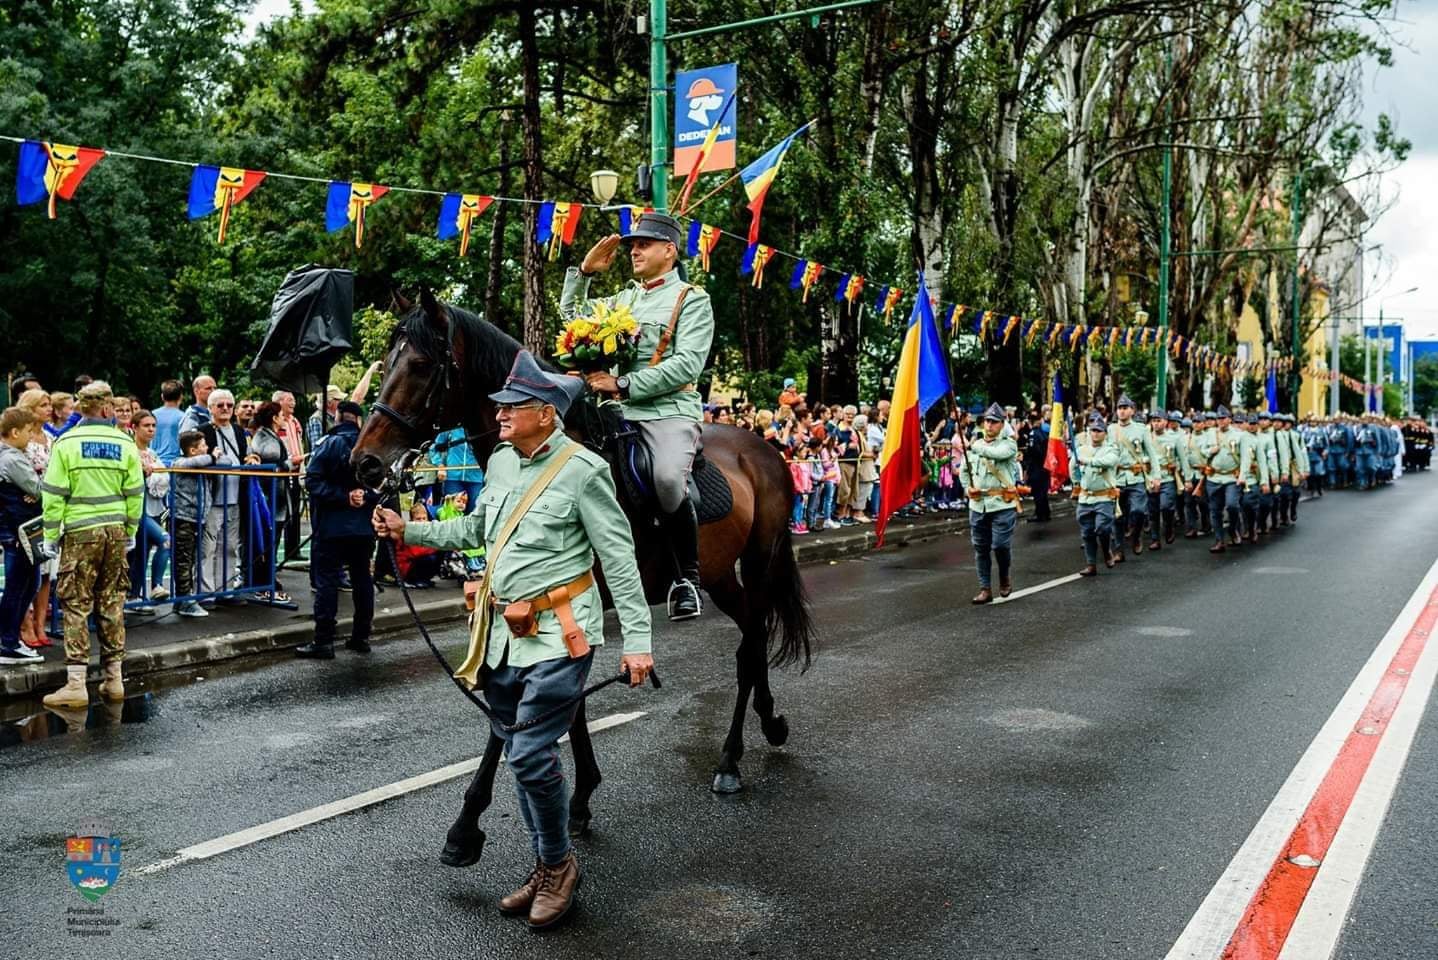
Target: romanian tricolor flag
(921, 381)
(760, 174)
(850, 286)
(755, 258)
(220, 188)
(702, 238)
(49, 170)
(557, 224)
(347, 204)
(952, 317)
(1010, 326)
(805, 273)
(629, 216)
(457, 213)
(883, 296)
(1056, 459)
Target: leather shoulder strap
(668, 333)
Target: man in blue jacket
(343, 536)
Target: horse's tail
(787, 607)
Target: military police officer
(92, 495)
(676, 326)
(547, 510)
(991, 474)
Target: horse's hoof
(579, 827)
(776, 731)
(464, 852)
(727, 783)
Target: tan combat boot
(554, 893)
(112, 688)
(516, 904)
(73, 693)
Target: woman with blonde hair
(39, 402)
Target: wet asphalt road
(1061, 777)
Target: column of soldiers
(1234, 477)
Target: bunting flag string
(805, 273)
(702, 238)
(755, 258)
(47, 171)
(556, 225)
(347, 204)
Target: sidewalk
(168, 642)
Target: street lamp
(1379, 348)
(605, 184)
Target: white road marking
(1211, 927)
(1027, 591)
(328, 811)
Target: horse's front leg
(465, 840)
(726, 774)
(586, 774)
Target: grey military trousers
(672, 443)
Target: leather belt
(1109, 492)
(1134, 468)
(1007, 494)
(522, 615)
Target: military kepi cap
(656, 226)
(994, 412)
(1097, 422)
(528, 381)
(1222, 412)
(1124, 401)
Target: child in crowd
(471, 562)
(191, 495)
(829, 455)
(19, 502)
(418, 566)
(803, 484)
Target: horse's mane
(487, 352)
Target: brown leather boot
(1006, 587)
(985, 595)
(554, 892)
(1089, 571)
(516, 904)
(1217, 547)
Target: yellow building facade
(1313, 392)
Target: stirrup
(680, 592)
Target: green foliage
(1136, 372)
(1425, 386)
(1251, 393)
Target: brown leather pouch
(521, 618)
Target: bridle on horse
(401, 478)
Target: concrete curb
(27, 681)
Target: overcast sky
(1408, 231)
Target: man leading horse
(658, 394)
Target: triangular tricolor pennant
(891, 299)
(850, 286)
(755, 257)
(702, 239)
(556, 225)
(1009, 327)
(220, 188)
(883, 289)
(804, 275)
(457, 213)
(49, 170)
(629, 216)
(952, 317)
(347, 203)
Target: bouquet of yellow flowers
(607, 339)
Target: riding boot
(681, 528)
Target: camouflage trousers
(94, 575)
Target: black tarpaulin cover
(311, 328)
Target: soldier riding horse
(442, 364)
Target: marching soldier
(1096, 489)
(93, 494)
(991, 468)
(1299, 466)
(1252, 474)
(1276, 455)
(1173, 470)
(1198, 520)
(676, 330)
(1365, 454)
(531, 650)
(1315, 439)
(1340, 453)
(1221, 459)
(1138, 474)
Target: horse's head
(416, 396)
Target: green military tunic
(1253, 461)
(1172, 457)
(1138, 458)
(576, 519)
(1097, 479)
(667, 388)
(1302, 466)
(1220, 455)
(992, 468)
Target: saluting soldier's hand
(601, 256)
(638, 665)
(388, 525)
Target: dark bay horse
(442, 364)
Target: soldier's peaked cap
(994, 412)
(656, 226)
(1124, 401)
(1222, 411)
(529, 381)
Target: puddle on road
(46, 723)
